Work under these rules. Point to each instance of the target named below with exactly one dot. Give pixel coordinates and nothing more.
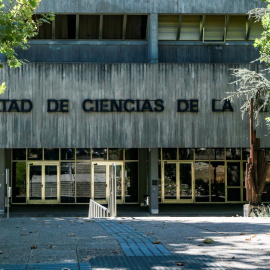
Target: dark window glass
(115, 154)
(99, 154)
(83, 184)
(67, 182)
(233, 174)
(83, 153)
(159, 182)
(159, 153)
(234, 194)
(217, 154)
(19, 154)
(34, 154)
(186, 154)
(233, 153)
(246, 153)
(266, 191)
(201, 181)
(89, 27)
(112, 26)
(45, 30)
(202, 154)
(185, 171)
(217, 174)
(67, 153)
(131, 182)
(267, 153)
(169, 153)
(131, 154)
(136, 27)
(51, 154)
(19, 182)
(244, 194)
(65, 26)
(170, 187)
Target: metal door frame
(177, 200)
(42, 164)
(108, 164)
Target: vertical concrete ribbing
(153, 38)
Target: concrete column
(2, 181)
(143, 175)
(153, 180)
(153, 38)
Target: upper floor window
(94, 27)
(208, 28)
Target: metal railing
(96, 210)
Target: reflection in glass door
(43, 183)
(101, 181)
(177, 182)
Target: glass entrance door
(177, 182)
(101, 181)
(43, 183)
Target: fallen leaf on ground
(23, 234)
(253, 236)
(156, 242)
(242, 233)
(71, 234)
(233, 257)
(34, 247)
(181, 264)
(1, 252)
(208, 241)
(248, 239)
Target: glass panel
(256, 30)
(217, 173)
(19, 154)
(244, 173)
(35, 182)
(67, 182)
(169, 153)
(131, 182)
(136, 27)
(190, 28)
(233, 153)
(217, 154)
(234, 194)
(185, 181)
(267, 153)
(159, 182)
(214, 28)
(246, 153)
(18, 182)
(45, 30)
(65, 26)
(186, 154)
(266, 191)
(131, 154)
(202, 154)
(233, 174)
(112, 26)
(100, 182)
(83, 182)
(202, 181)
(67, 153)
(50, 182)
(167, 27)
(51, 154)
(115, 154)
(89, 27)
(83, 153)
(34, 154)
(236, 28)
(99, 154)
(170, 181)
(118, 180)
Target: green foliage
(17, 26)
(208, 241)
(261, 211)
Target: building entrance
(177, 182)
(43, 183)
(101, 176)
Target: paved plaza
(150, 242)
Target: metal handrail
(97, 210)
